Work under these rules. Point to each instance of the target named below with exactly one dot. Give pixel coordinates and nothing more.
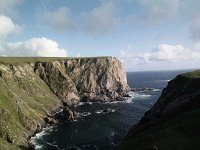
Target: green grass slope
(24, 100)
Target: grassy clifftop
(23, 60)
(173, 122)
(194, 74)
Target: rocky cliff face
(92, 79)
(173, 122)
(181, 94)
(31, 88)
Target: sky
(143, 34)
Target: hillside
(173, 122)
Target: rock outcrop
(180, 94)
(91, 79)
(33, 88)
(172, 123)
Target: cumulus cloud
(60, 19)
(162, 57)
(156, 11)
(7, 26)
(101, 19)
(33, 47)
(173, 53)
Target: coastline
(43, 125)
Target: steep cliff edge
(31, 88)
(92, 79)
(173, 122)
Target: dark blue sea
(96, 130)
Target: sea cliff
(173, 122)
(32, 88)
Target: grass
(22, 60)
(193, 74)
(24, 100)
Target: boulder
(50, 121)
(108, 110)
(68, 114)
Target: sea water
(94, 129)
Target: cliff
(173, 122)
(32, 88)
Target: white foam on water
(99, 111)
(84, 103)
(39, 136)
(84, 114)
(156, 90)
(162, 80)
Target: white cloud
(189, 10)
(8, 6)
(156, 11)
(101, 19)
(33, 47)
(60, 19)
(173, 53)
(162, 57)
(7, 26)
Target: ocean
(95, 130)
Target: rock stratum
(173, 122)
(32, 88)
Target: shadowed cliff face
(92, 79)
(173, 122)
(180, 95)
(30, 90)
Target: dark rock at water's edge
(141, 89)
(166, 120)
(32, 89)
(108, 110)
(50, 120)
(68, 114)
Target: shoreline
(42, 125)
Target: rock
(35, 88)
(68, 114)
(126, 95)
(141, 89)
(180, 94)
(50, 121)
(89, 79)
(108, 110)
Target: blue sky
(143, 34)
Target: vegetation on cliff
(31, 88)
(173, 122)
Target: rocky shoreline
(30, 88)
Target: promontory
(32, 88)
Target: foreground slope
(31, 88)
(173, 122)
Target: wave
(39, 135)
(141, 95)
(161, 80)
(84, 103)
(84, 114)
(156, 90)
